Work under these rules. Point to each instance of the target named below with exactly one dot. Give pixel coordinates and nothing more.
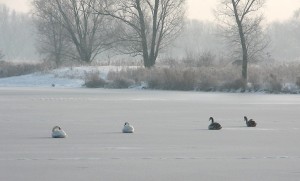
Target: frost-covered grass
(262, 78)
(171, 140)
(283, 78)
(8, 69)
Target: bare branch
(241, 24)
(151, 24)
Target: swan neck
(55, 127)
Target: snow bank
(72, 77)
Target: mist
(89, 66)
(18, 40)
(17, 36)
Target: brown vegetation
(8, 69)
(93, 80)
(266, 78)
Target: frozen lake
(171, 140)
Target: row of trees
(83, 29)
(138, 27)
(203, 36)
(70, 29)
(89, 27)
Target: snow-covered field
(69, 77)
(171, 140)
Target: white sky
(275, 10)
(18, 5)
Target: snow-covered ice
(171, 139)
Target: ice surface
(171, 140)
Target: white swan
(57, 132)
(127, 128)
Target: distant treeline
(20, 41)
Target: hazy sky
(275, 10)
(202, 9)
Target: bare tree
(87, 31)
(52, 39)
(241, 22)
(150, 25)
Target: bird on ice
(57, 132)
(250, 123)
(214, 125)
(127, 128)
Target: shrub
(170, 62)
(255, 79)
(93, 80)
(205, 58)
(121, 83)
(262, 77)
(136, 74)
(189, 80)
(234, 85)
(12, 69)
(274, 85)
(207, 83)
(171, 79)
(298, 82)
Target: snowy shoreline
(74, 77)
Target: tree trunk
(245, 57)
(245, 66)
(85, 56)
(243, 44)
(147, 62)
(152, 57)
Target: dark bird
(250, 123)
(214, 125)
